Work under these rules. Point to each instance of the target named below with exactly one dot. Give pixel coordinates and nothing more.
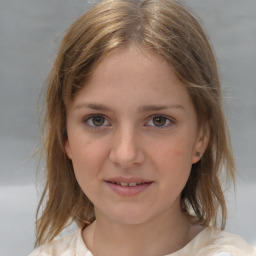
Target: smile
(124, 184)
(128, 188)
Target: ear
(201, 143)
(67, 149)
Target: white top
(209, 242)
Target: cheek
(173, 160)
(88, 157)
(88, 160)
(175, 149)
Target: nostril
(126, 151)
(126, 159)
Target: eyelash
(169, 121)
(92, 116)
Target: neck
(160, 236)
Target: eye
(160, 121)
(96, 121)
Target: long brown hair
(163, 26)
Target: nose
(126, 151)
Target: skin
(130, 142)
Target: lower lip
(128, 191)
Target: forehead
(133, 75)
(135, 60)
(133, 63)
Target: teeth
(132, 184)
(124, 184)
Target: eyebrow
(94, 106)
(148, 108)
(143, 108)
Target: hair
(168, 29)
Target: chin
(124, 216)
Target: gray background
(30, 31)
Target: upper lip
(128, 180)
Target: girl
(135, 138)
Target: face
(133, 137)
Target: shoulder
(221, 243)
(69, 245)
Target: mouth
(128, 187)
(125, 184)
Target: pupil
(159, 121)
(98, 120)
